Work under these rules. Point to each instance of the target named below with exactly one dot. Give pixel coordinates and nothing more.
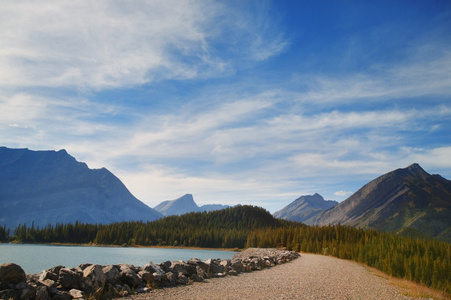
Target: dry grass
(410, 288)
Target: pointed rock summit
(49, 187)
(178, 206)
(305, 209)
(184, 205)
(407, 201)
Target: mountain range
(49, 187)
(183, 205)
(407, 201)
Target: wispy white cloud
(106, 44)
(425, 76)
(241, 141)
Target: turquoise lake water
(35, 258)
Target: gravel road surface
(308, 277)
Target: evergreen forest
(425, 261)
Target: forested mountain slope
(406, 201)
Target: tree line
(426, 261)
(227, 228)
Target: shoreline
(125, 246)
(123, 280)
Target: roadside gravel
(308, 277)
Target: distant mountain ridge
(406, 201)
(49, 187)
(183, 205)
(305, 209)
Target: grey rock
(156, 270)
(13, 273)
(143, 290)
(42, 293)
(10, 294)
(62, 295)
(212, 267)
(196, 278)
(111, 274)
(147, 277)
(69, 279)
(237, 265)
(183, 268)
(201, 272)
(47, 275)
(129, 277)
(76, 294)
(28, 293)
(182, 279)
(56, 269)
(95, 273)
(165, 266)
(171, 278)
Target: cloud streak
(96, 78)
(106, 44)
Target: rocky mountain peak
(404, 199)
(49, 187)
(305, 208)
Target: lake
(35, 258)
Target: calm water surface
(35, 258)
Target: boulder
(56, 269)
(155, 269)
(12, 273)
(183, 268)
(27, 293)
(182, 279)
(165, 266)
(10, 294)
(76, 294)
(62, 295)
(129, 277)
(42, 293)
(50, 286)
(95, 273)
(47, 275)
(111, 274)
(171, 278)
(69, 279)
(212, 267)
(237, 265)
(84, 266)
(194, 261)
(147, 277)
(196, 278)
(202, 273)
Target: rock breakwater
(113, 281)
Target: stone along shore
(113, 281)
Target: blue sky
(251, 102)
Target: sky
(236, 102)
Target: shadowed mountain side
(405, 201)
(305, 209)
(49, 187)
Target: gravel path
(308, 277)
